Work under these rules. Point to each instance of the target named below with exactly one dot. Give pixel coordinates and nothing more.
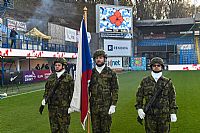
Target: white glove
(173, 118)
(141, 113)
(43, 102)
(70, 110)
(112, 109)
(88, 83)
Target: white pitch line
(23, 93)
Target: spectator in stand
(37, 67)
(13, 34)
(46, 66)
(67, 68)
(73, 70)
(43, 67)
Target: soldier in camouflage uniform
(164, 109)
(103, 91)
(58, 93)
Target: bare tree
(160, 9)
(153, 9)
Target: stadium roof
(165, 22)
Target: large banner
(35, 75)
(117, 47)
(34, 53)
(114, 62)
(138, 63)
(70, 35)
(25, 76)
(184, 67)
(12, 78)
(19, 26)
(88, 35)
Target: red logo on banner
(116, 19)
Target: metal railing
(38, 45)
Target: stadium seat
(187, 56)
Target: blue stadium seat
(187, 56)
(167, 41)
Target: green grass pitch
(19, 114)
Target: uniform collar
(156, 76)
(99, 69)
(58, 74)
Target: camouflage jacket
(165, 103)
(104, 86)
(63, 92)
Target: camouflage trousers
(101, 120)
(157, 124)
(59, 119)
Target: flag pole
(85, 16)
(88, 119)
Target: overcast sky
(196, 2)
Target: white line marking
(23, 93)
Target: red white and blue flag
(83, 74)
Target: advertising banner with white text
(117, 47)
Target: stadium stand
(188, 56)
(167, 41)
(30, 44)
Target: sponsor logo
(110, 47)
(30, 77)
(114, 63)
(120, 47)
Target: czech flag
(83, 73)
